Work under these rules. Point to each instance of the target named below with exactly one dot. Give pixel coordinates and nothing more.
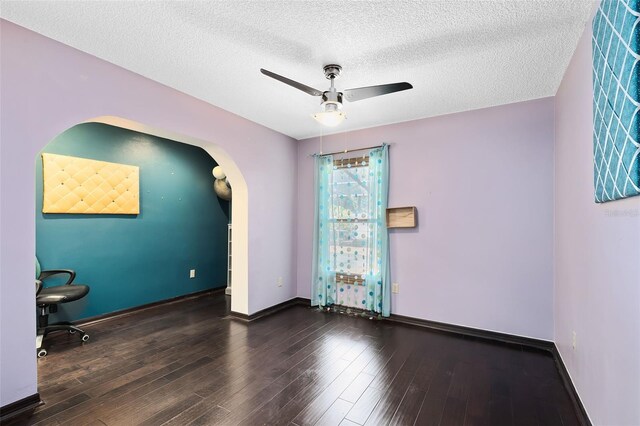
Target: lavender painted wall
(48, 87)
(483, 185)
(597, 263)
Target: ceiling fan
(332, 99)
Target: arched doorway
(239, 212)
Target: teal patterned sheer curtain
(351, 243)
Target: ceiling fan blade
(285, 80)
(360, 93)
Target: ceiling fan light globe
(330, 118)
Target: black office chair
(47, 300)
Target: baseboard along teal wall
(132, 260)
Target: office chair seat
(61, 294)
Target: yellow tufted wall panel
(82, 186)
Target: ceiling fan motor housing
(332, 100)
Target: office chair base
(64, 326)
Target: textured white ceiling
(459, 55)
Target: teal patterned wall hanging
(616, 99)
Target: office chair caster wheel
(85, 337)
(42, 353)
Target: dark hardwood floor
(186, 363)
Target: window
(353, 227)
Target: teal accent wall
(132, 260)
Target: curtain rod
(349, 150)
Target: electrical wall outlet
(395, 288)
(192, 273)
(574, 340)
(279, 281)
